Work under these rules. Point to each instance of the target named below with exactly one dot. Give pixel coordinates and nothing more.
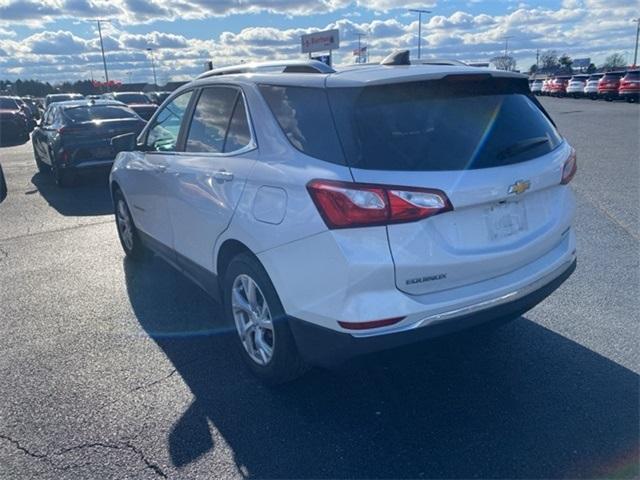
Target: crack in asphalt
(127, 445)
(3, 254)
(57, 230)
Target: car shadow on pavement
(523, 402)
(88, 197)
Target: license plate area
(505, 219)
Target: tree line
(37, 88)
(550, 63)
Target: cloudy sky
(57, 40)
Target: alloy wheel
(125, 225)
(253, 319)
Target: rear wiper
(521, 146)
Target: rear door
(205, 181)
(488, 146)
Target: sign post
(320, 42)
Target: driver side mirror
(124, 143)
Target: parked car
(609, 84)
(591, 86)
(26, 110)
(76, 136)
(137, 101)
(33, 106)
(536, 86)
(546, 86)
(558, 86)
(60, 97)
(14, 124)
(629, 88)
(328, 212)
(575, 87)
(158, 97)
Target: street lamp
(153, 67)
(419, 12)
(635, 54)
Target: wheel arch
(227, 251)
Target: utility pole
(419, 12)
(360, 35)
(104, 61)
(153, 67)
(537, 59)
(635, 54)
(506, 49)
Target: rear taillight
(570, 167)
(348, 204)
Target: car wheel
(63, 179)
(42, 167)
(127, 232)
(264, 338)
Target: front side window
(211, 119)
(163, 134)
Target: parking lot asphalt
(116, 370)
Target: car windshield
(99, 112)
(132, 98)
(632, 76)
(8, 104)
(613, 76)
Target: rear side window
(441, 125)
(210, 120)
(305, 118)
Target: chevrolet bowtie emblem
(519, 187)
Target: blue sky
(56, 40)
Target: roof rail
(288, 66)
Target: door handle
(223, 176)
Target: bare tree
(504, 62)
(614, 61)
(549, 60)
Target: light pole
(419, 12)
(635, 54)
(104, 60)
(360, 35)
(153, 67)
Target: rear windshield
(613, 76)
(632, 76)
(132, 98)
(418, 126)
(8, 104)
(595, 77)
(98, 112)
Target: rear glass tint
(440, 125)
(417, 126)
(632, 76)
(132, 98)
(98, 112)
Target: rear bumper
(326, 347)
(629, 93)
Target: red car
(609, 84)
(630, 86)
(558, 86)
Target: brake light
(349, 204)
(570, 168)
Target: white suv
(340, 213)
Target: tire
(42, 167)
(127, 231)
(269, 348)
(63, 179)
